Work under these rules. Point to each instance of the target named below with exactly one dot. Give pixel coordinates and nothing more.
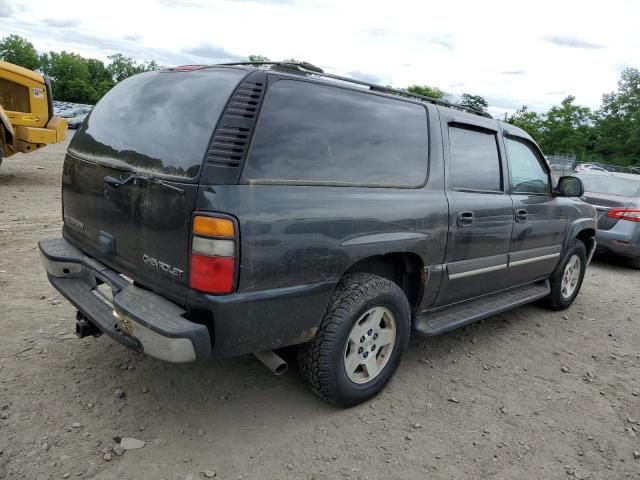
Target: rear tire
(635, 263)
(360, 342)
(567, 279)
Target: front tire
(360, 342)
(567, 279)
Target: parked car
(75, 122)
(233, 209)
(75, 113)
(589, 167)
(616, 197)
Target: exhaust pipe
(273, 362)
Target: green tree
(75, 90)
(568, 128)
(98, 72)
(18, 50)
(258, 58)
(473, 101)
(426, 91)
(70, 76)
(618, 121)
(100, 90)
(122, 67)
(529, 121)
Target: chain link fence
(568, 164)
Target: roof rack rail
(308, 68)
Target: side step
(449, 318)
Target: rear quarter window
(317, 134)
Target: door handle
(521, 215)
(465, 218)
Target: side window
(310, 133)
(475, 162)
(527, 173)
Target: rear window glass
(609, 185)
(475, 162)
(157, 122)
(310, 133)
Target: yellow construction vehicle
(27, 122)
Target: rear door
(131, 173)
(480, 211)
(540, 218)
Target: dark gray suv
(232, 209)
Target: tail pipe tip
(273, 362)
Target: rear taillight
(631, 214)
(213, 255)
(188, 68)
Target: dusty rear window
(158, 122)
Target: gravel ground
(529, 394)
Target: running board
(449, 318)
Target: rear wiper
(139, 179)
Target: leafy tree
(18, 50)
(98, 72)
(474, 101)
(568, 128)
(529, 121)
(258, 58)
(122, 67)
(618, 121)
(427, 91)
(70, 76)
(75, 90)
(101, 89)
(65, 66)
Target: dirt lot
(526, 394)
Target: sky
(513, 53)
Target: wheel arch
(588, 237)
(583, 229)
(405, 269)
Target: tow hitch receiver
(84, 328)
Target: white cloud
(511, 53)
(6, 8)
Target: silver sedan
(616, 197)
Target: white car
(589, 167)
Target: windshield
(610, 185)
(157, 122)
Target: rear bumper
(622, 239)
(135, 317)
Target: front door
(540, 218)
(480, 211)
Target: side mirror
(570, 187)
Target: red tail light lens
(631, 214)
(212, 274)
(188, 68)
(213, 255)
